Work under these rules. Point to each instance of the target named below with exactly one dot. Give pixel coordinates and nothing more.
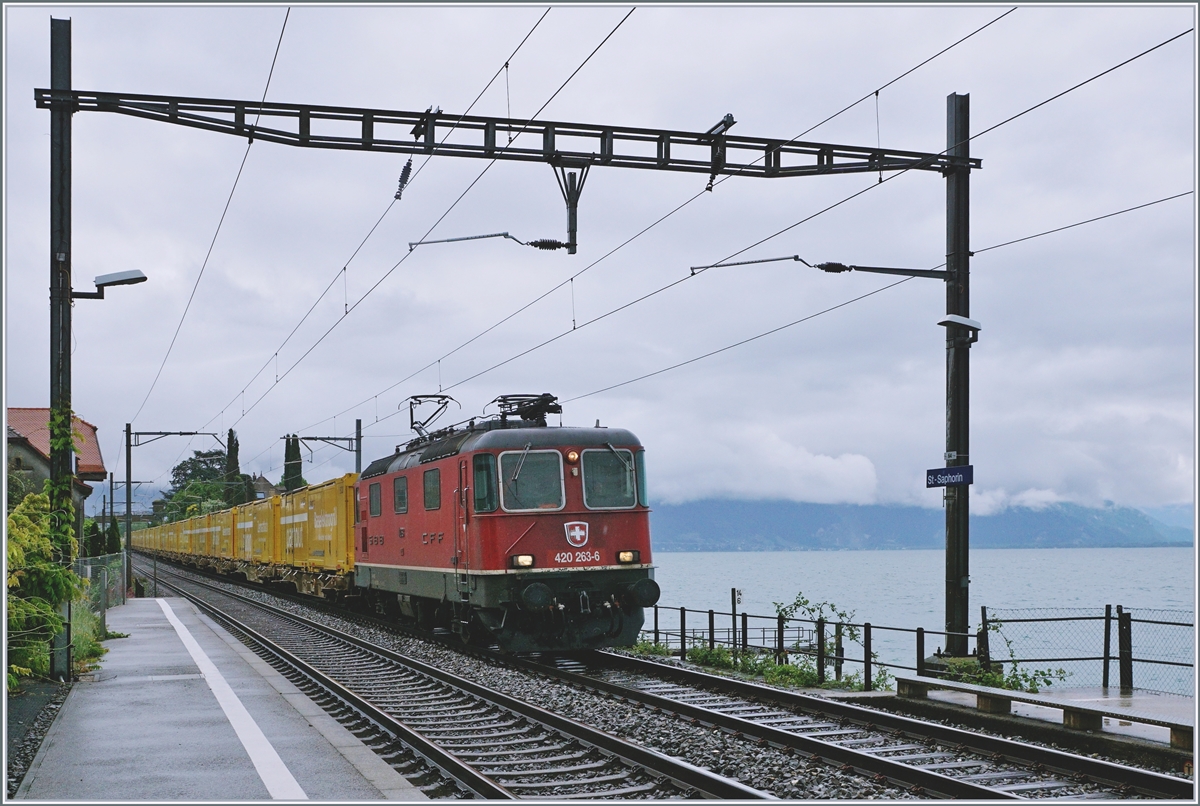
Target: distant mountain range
(727, 525)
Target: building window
(433, 489)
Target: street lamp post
(62, 475)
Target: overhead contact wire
(213, 242)
(862, 297)
(387, 210)
(667, 215)
(388, 273)
(814, 215)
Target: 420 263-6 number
(577, 557)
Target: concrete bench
(1076, 715)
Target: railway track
(925, 759)
(489, 744)
(936, 759)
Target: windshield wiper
(521, 463)
(628, 465)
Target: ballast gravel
(762, 768)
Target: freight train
(501, 529)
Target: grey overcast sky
(1083, 381)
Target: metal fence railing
(831, 648)
(106, 586)
(1146, 648)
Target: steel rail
(1107, 773)
(904, 776)
(685, 775)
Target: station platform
(180, 710)
(1167, 707)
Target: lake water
(906, 589)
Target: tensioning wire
(187, 307)
(391, 203)
(443, 216)
(672, 212)
(861, 297)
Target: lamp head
(962, 321)
(121, 278)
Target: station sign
(959, 476)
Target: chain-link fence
(1108, 646)
(105, 577)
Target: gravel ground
(762, 768)
(29, 717)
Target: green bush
(719, 657)
(651, 648)
(968, 670)
(803, 676)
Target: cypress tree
(93, 543)
(292, 461)
(113, 541)
(235, 487)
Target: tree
(93, 542)
(195, 481)
(36, 584)
(292, 462)
(19, 484)
(239, 488)
(202, 466)
(112, 543)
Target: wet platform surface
(180, 710)
(1167, 707)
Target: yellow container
(316, 524)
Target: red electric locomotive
(511, 530)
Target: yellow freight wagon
(303, 539)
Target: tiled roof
(34, 425)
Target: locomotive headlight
(572, 456)
(628, 556)
(522, 560)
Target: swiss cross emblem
(576, 533)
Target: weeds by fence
(1142, 648)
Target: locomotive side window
(433, 489)
(400, 494)
(531, 480)
(485, 483)
(373, 497)
(639, 463)
(609, 480)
